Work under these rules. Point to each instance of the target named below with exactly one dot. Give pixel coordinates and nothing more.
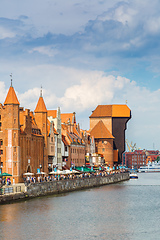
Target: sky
(84, 53)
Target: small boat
(133, 174)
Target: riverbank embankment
(62, 186)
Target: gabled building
(22, 142)
(108, 125)
(52, 145)
(55, 116)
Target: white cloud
(6, 33)
(46, 50)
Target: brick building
(22, 142)
(108, 125)
(139, 158)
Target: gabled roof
(100, 131)
(41, 107)
(64, 140)
(52, 113)
(11, 97)
(111, 111)
(65, 117)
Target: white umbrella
(57, 172)
(28, 174)
(66, 172)
(74, 171)
(43, 173)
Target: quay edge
(56, 187)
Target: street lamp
(40, 166)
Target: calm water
(129, 210)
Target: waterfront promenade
(55, 187)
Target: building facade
(22, 142)
(139, 158)
(107, 126)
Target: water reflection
(128, 210)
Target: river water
(127, 210)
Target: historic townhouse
(72, 146)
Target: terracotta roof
(100, 131)
(121, 111)
(66, 116)
(64, 140)
(11, 97)
(52, 113)
(41, 107)
(111, 111)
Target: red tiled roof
(65, 117)
(52, 113)
(11, 97)
(65, 140)
(100, 131)
(111, 111)
(41, 107)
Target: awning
(28, 174)
(84, 169)
(4, 174)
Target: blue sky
(85, 53)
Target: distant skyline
(85, 53)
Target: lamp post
(40, 166)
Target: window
(52, 148)
(14, 120)
(14, 135)
(66, 148)
(1, 152)
(1, 142)
(103, 149)
(59, 150)
(51, 139)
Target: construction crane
(131, 147)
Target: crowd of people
(47, 178)
(5, 181)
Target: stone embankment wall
(55, 187)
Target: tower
(41, 121)
(11, 134)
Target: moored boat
(150, 167)
(133, 174)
